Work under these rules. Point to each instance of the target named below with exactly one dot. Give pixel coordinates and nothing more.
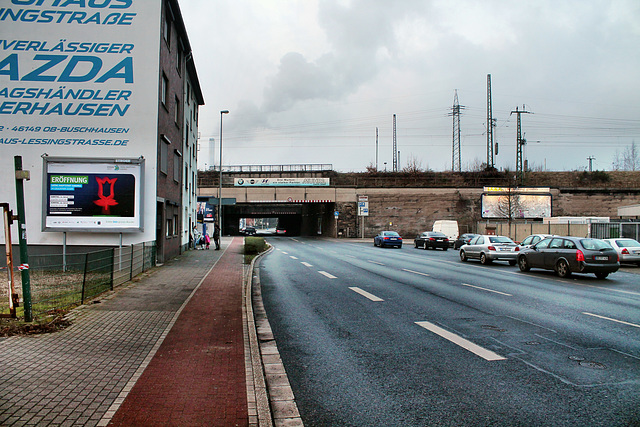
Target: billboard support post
(64, 251)
(22, 235)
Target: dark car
(566, 255)
(431, 240)
(387, 238)
(463, 239)
(249, 231)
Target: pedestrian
(216, 236)
(207, 241)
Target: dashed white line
(306, 264)
(329, 275)
(613, 320)
(286, 253)
(375, 262)
(292, 257)
(488, 290)
(365, 294)
(415, 272)
(464, 343)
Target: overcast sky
(309, 81)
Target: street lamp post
(220, 177)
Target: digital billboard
(523, 203)
(104, 195)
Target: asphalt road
(391, 337)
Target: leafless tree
(413, 166)
(628, 160)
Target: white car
(628, 249)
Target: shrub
(254, 245)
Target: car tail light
(385, 238)
(446, 240)
(432, 238)
(579, 255)
(492, 248)
(516, 249)
(625, 251)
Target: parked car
(488, 248)
(431, 240)
(463, 239)
(628, 249)
(448, 227)
(533, 239)
(387, 238)
(566, 255)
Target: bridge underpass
(299, 219)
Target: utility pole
(491, 124)
(395, 146)
(520, 142)
(455, 152)
(591, 159)
(22, 175)
(376, 149)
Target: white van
(448, 227)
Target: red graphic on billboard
(106, 201)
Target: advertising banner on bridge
(281, 182)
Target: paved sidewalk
(168, 349)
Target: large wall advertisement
(79, 79)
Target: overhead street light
(220, 177)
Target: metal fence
(612, 230)
(59, 281)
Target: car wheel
(424, 246)
(484, 260)
(400, 247)
(562, 268)
(444, 249)
(512, 262)
(463, 256)
(415, 244)
(602, 275)
(523, 264)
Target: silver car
(628, 249)
(533, 239)
(488, 248)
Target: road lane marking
(365, 294)
(329, 275)
(416, 272)
(375, 262)
(306, 264)
(608, 289)
(485, 289)
(292, 257)
(466, 344)
(613, 320)
(286, 253)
